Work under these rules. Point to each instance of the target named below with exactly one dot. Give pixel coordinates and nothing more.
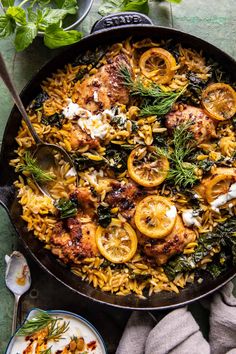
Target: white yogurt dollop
(189, 218)
(171, 213)
(224, 198)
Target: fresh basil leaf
(56, 37)
(69, 5)
(51, 16)
(35, 16)
(25, 35)
(175, 1)
(136, 5)
(7, 26)
(7, 3)
(111, 6)
(17, 14)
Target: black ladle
(44, 152)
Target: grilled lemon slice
(146, 167)
(155, 216)
(118, 242)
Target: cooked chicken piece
(203, 127)
(73, 240)
(103, 89)
(79, 139)
(174, 243)
(125, 197)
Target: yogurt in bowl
(56, 332)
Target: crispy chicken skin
(203, 127)
(79, 139)
(125, 197)
(174, 243)
(103, 89)
(73, 239)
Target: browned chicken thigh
(162, 249)
(203, 127)
(103, 89)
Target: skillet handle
(6, 196)
(121, 19)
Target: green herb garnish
(182, 173)
(109, 6)
(32, 167)
(35, 324)
(104, 215)
(156, 101)
(31, 16)
(46, 351)
(66, 207)
(42, 320)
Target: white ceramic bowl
(78, 326)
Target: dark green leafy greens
(67, 208)
(38, 15)
(223, 237)
(104, 215)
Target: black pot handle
(7, 194)
(121, 19)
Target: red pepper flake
(92, 345)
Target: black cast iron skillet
(108, 30)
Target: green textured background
(212, 20)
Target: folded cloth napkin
(179, 333)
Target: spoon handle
(15, 312)
(8, 82)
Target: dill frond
(35, 324)
(32, 167)
(162, 101)
(40, 321)
(182, 173)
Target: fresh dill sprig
(35, 324)
(162, 101)
(42, 320)
(46, 351)
(32, 167)
(161, 105)
(56, 330)
(182, 173)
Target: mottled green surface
(212, 20)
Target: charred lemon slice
(155, 216)
(219, 101)
(118, 242)
(218, 185)
(158, 64)
(146, 167)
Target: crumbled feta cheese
(189, 218)
(172, 212)
(94, 126)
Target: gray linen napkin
(179, 333)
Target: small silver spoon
(44, 152)
(18, 280)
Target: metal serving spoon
(44, 152)
(18, 280)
